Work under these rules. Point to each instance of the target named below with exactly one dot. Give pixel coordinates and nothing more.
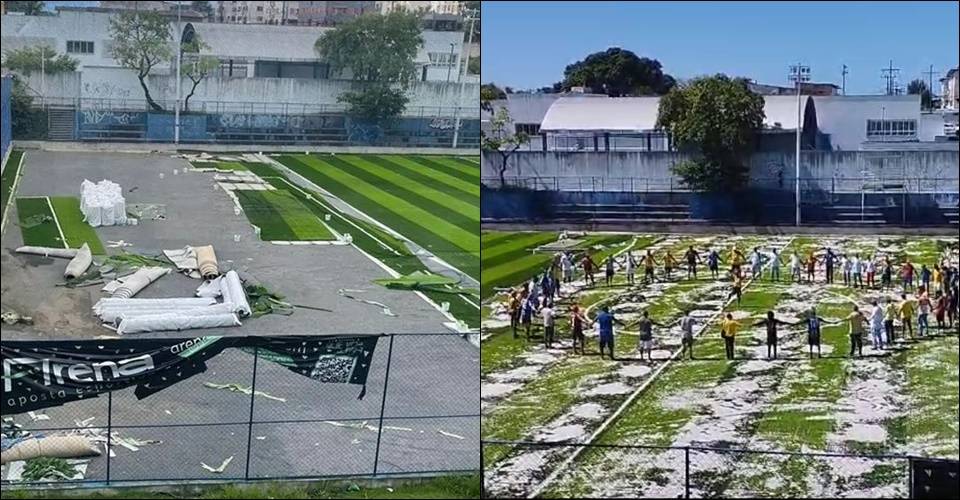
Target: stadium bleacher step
(855, 222)
(61, 123)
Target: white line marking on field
(626, 404)
(63, 238)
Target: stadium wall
(5, 119)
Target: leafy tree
(716, 118)
(26, 60)
(198, 67)
(490, 92)
(141, 40)
(26, 122)
(502, 141)
(474, 66)
(28, 8)
(474, 7)
(919, 86)
(376, 104)
(618, 72)
(374, 47)
(203, 7)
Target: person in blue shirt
(713, 262)
(606, 321)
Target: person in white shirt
(686, 327)
(795, 268)
(856, 266)
(631, 268)
(548, 323)
(876, 325)
(567, 267)
(775, 266)
(871, 273)
(756, 263)
(847, 265)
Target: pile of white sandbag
(103, 204)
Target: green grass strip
(9, 177)
(75, 230)
(394, 180)
(492, 238)
(36, 223)
(460, 248)
(435, 178)
(462, 172)
(516, 247)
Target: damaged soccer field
(896, 401)
(428, 425)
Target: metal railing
(710, 472)
(285, 427)
(831, 185)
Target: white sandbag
(234, 293)
(79, 264)
(63, 253)
(102, 204)
(50, 446)
(176, 321)
(211, 288)
(139, 280)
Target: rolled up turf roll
(138, 281)
(177, 321)
(52, 447)
(79, 264)
(207, 262)
(234, 293)
(63, 253)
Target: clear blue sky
(526, 45)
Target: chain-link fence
(561, 470)
(248, 418)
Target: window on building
(442, 58)
(528, 128)
(259, 8)
(79, 47)
(883, 129)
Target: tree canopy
(919, 86)
(26, 60)
(203, 7)
(617, 72)
(141, 40)
(195, 66)
(374, 47)
(716, 118)
(502, 140)
(28, 8)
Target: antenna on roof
(890, 75)
(844, 76)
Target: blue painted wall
(5, 120)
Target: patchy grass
(37, 224)
(8, 178)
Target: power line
(930, 74)
(890, 75)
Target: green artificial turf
(281, 216)
(37, 224)
(9, 178)
(75, 230)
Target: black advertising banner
(41, 374)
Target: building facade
(948, 90)
(330, 13)
(438, 7)
(256, 12)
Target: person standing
(814, 327)
(737, 290)
(645, 325)
(736, 261)
(871, 273)
(886, 279)
(925, 276)
(889, 317)
(923, 314)
(756, 263)
(812, 268)
(567, 266)
(729, 329)
(513, 307)
(771, 323)
(857, 268)
(713, 262)
(906, 309)
(952, 304)
(692, 258)
(631, 266)
(877, 325)
(856, 319)
(609, 273)
(526, 314)
(606, 321)
(796, 268)
(906, 275)
(828, 261)
(846, 265)
(589, 266)
(547, 314)
(775, 266)
(940, 310)
(649, 264)
(576, 322)
(686, 328)
(669, 264)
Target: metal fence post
(109, 430)
(253, 394)
(383, 405)
(686, 472)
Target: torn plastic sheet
(241, 389)
(185, 259)
(423, 281)
(79, 263)
(51, 446)
(129, 286)
(63, 253)
(344, 292)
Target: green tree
(203, 7)
(28, 8)
(26, 60)
(474, 8)
(503, 140)
(26, 122)
(919, 86)
(715, 118)
(618, 72)
(379, 49)
(195, 66)
(474, 66)
(141, 40)
(490, 92)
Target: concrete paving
(429, 375)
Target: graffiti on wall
(98, 117)
(442, 124)
(363, 133)
(105, 90)
(292, 123)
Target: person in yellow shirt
(649, 263)
(889, 316)
(856, 319)
(938, 279)
(729, 329)
(736, 261)
(669, 263)
(906, 309)
(737, 290)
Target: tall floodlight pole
(799, 74)
(450, 62)
(43, 78)
(463, 81)
(176, 110)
